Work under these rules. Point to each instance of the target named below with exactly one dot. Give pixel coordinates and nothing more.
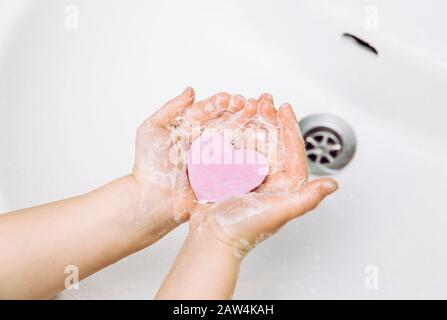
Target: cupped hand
(165, 197)
(244, 221)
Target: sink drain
(330, 142)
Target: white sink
(71, 99)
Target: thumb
(173, 108)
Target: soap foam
(256, 133)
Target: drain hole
(322, 145)
(329, 141)
(361, 43)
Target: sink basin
(75, 82)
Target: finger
(208, 109)
(246, 114)
(280, 208)
(266, 96)
(232, 122)
(295, 163)
(267, 111)
(237, 103)
(173, 108)
(308, 198)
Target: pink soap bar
(218, 171)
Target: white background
(70, 102)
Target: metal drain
(330, 143)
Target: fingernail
(237, 102)
(252, 102)
(288, 110)
(250, 108)
(221, 100)
(288, 107)
(188, 92)
(266, 96)
(330, 186)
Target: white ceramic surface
(71, 99)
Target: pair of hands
(131, 212)
(166, 198)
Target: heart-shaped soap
(217, 170)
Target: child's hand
(165, 195)
(114, 220)
(244, 221)
(221, 233)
